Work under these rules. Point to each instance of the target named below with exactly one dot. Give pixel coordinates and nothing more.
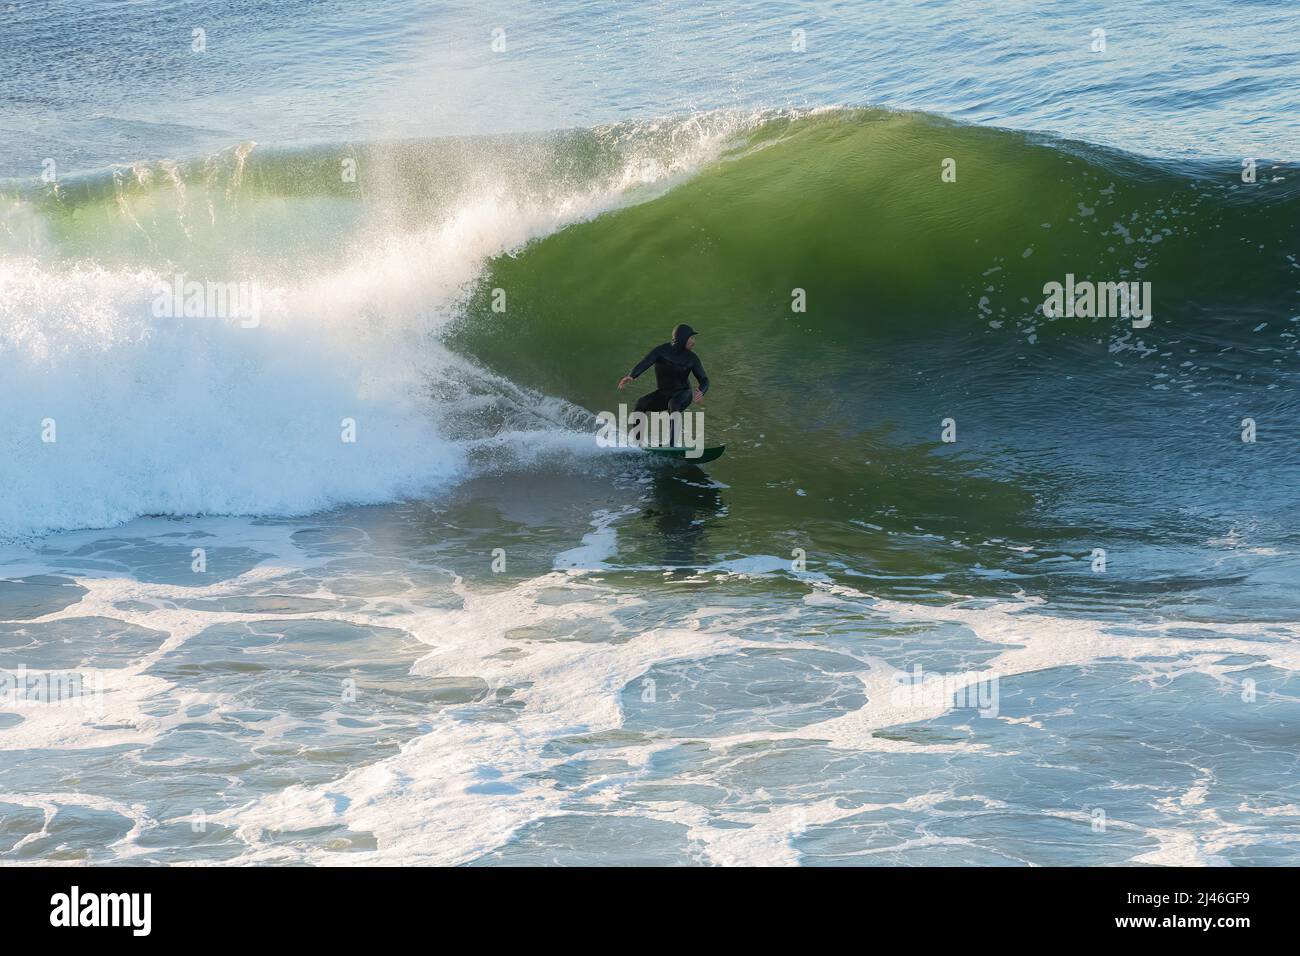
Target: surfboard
(709, 454)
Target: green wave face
(923, 302)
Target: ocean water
(472, 635)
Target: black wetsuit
(673, 369)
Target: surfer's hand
(699, 396)
(622, 382)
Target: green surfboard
(709, 454)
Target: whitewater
(180, 415)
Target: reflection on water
(682, 503)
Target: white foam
(426, 803)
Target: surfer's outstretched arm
(650, 358)
(641, 366)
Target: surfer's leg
(648, 404)
(680, 402)
(652, 402)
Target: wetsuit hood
(682, 334)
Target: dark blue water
(92, 83)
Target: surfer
(675, 362)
